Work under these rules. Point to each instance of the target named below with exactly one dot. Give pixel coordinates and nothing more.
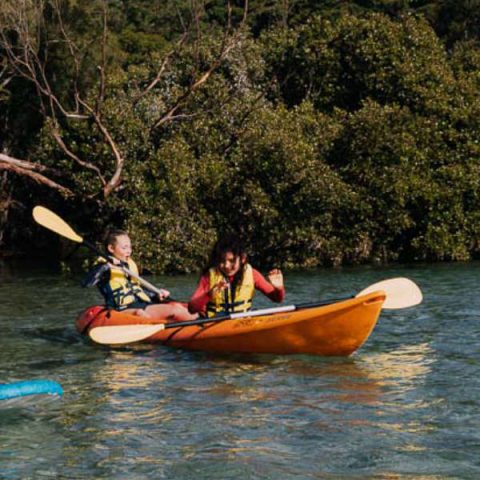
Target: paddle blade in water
(46, 218)
(400, 292)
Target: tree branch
(58, 138)
(229, 42)
(29, 169)
(115, 180)
(162, 68)
(101, 68)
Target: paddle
(46, 218)
(400, 293)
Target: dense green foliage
(344, 134)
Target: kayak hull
(337, 329)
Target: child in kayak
(229, 282)
(124, 293)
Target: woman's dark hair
(228, 243)
(111, 236)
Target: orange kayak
(335, 329)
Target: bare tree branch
(229, 42)
(75, 158)
(170, 114)
(27, 55)
(25, 62)
(72, 48)
(162, 69)
(7, 79)
(115, 180)
(29, 169)
(101, 68)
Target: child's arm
(95, 275)
(198, 301)
(275, 290)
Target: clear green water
(407, 405)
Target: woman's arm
(198, 301)
(274, 293)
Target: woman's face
(230, 264)
(122, 248)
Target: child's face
(122, 248)
(230, 264)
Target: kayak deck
(336, 329)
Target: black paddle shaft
(222, 318)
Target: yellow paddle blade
(46, 218)
(400, 292)
(120, 334)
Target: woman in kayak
(124, 293)
(228, 284)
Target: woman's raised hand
(275, 277)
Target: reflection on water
(405, 406)
(405, 366)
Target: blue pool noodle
(29, 387)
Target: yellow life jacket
(229, 301)
(124, 290)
